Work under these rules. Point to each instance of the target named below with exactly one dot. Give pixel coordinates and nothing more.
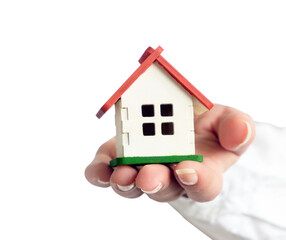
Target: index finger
(98, 172)
(106, 152)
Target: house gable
(155, 85)
(147, 59)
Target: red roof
(147, 59)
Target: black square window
(166, 110)
(148, 129)
(147, 110)
(167, 128)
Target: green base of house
(156, 159)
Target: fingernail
(249, 132)
(187, 176)
(126, 188)
(155, 190)
(102, 182)
(248, 136)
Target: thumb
(236, 131)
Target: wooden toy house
(154, 116)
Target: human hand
(221, 135)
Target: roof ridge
(146, 54)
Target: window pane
(166, 110)
(167, 128)
(148, 129)
(147, 110)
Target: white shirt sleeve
(252, 204)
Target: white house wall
(119, 134)
(155, 87)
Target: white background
(61, 60)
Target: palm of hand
(222, 135)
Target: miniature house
(154, 116)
